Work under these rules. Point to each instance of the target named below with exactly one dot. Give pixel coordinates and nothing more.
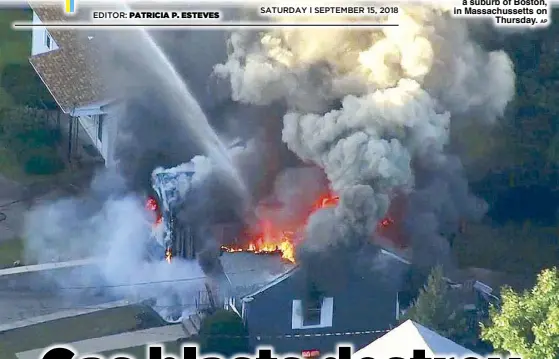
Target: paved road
(24, 304)
(20, 296)
(31, 294)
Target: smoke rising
(294, 194)
(375, 109)
(110, 221)
(367, 113)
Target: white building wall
(39, 39)
(98, 131)
(101, 128)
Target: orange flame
(272, 240)
(168, 255)
(152, 206)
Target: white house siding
(113, 113)
(98, 133)
(90, 123)
(39, 38)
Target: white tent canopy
(410, 336)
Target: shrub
(223, 332)
(25, 87)
(26, 132)
(45, 162)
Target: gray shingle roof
(248, 272)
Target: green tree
(223, 332)
(527, 323)
(435, 309)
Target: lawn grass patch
(9, 165)
(10, 251)
(15, 46)
(92, 325)
(512, 248)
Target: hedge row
(29, 135)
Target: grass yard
(9, 165)
(15, 46)
(16, 87)
(510, 248)
(93, 325)
(10, 251)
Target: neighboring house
(409, 336)
(281, 314)
(63, 61)
(270, 295)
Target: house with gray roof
(273, 297)
(275, 300)
(63, 60)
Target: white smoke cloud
(116, 231)
(367, 105)
(114, 226)
(364, 105)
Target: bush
(27, 134)
(47, 163)
(38, 137)
(223, 332)
(25, 87)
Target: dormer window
(48, 40)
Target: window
(310, 314)
(311, 311)
(48, 40)
(100, 120)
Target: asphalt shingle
(71, 73)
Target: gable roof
(248, 272)
(71, 72)
(383, 255)
(410, 336)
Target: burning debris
(272, 240)
(152, 206)
(266, 237)
(373, 109)
(168, 254)
(367, 111)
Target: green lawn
(93, 325)
(10, 251)
(511, 248)
(15, 49)
(9, 166)
(15, 46)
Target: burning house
(378, 127)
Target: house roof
(410, 336)
(249, 272)
(71, 72)
(292, 269)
